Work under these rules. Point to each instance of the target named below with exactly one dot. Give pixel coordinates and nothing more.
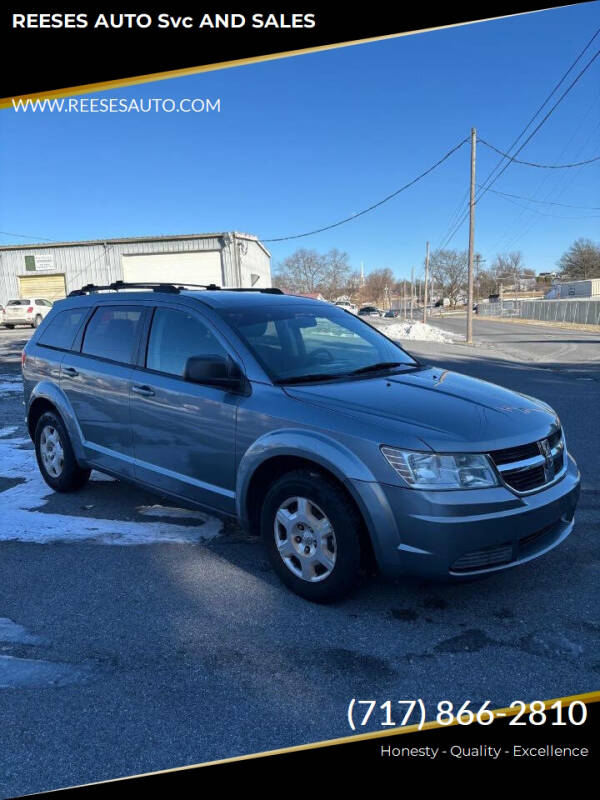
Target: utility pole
(412, 291)
(471, 240)
(425, 284)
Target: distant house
(310, 295)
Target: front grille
(511, 454)
(500, 554)
(526, 480)
(527, 477)
(480, 559)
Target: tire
(37, 321)
(9, 326)
(55, 455)
(319, 569)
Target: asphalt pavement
(118, 659)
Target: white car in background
(347, 305)
(25, 312)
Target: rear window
(61, 329)
(19, 303)
(111, 333)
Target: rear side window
(112, 332)
(61, 330)
(175, 337)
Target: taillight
(30, 310)
(23, 357)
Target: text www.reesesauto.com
(118, 105)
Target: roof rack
(169, 288)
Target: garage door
(197, 267)
(47, 287)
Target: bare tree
(509, 267)
(337, 275)
(376, 283)
(449, 271)
(304, 271)
(580, 261)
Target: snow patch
(11, 384)
(13, 632)
(19, 523)
(420, 331)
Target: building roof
(135, 239)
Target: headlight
(434, 471)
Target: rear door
(96, 381)
(183, 433)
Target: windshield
(309, 344)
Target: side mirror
(214, 370)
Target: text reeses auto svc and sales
(71, 21)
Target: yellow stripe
(587, 698)
(6, 102)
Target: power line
(26, 236)
(544, 214)
(540, 166)
(375, 205)
(554, 194)
(544, 202)
(489, 181)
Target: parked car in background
(1, 313)
(25, 312)
(306, 424)
(392, 313)
(347, 305)
(370, 311)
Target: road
(529, 342)
(118, 659)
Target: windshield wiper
(382, 365)
(317, 376)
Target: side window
(111, 333)
(61, 330)
(176, 336)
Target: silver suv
(25, 312)
(306, 424)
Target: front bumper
(458, 534)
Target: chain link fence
(583, 312)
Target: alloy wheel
(305, 539)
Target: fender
(335, 458)
(49, 391)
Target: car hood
(447, 411)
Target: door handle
(70, 372)
(145, 391)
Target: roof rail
(169, 288)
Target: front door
(183, 433)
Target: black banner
(538, 738)
(67, 46)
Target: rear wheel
(37, 321)
(9, 326)
(55, 455)
(312, 533)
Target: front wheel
(312, 533)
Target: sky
(303, 142)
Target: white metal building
(51, 271)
